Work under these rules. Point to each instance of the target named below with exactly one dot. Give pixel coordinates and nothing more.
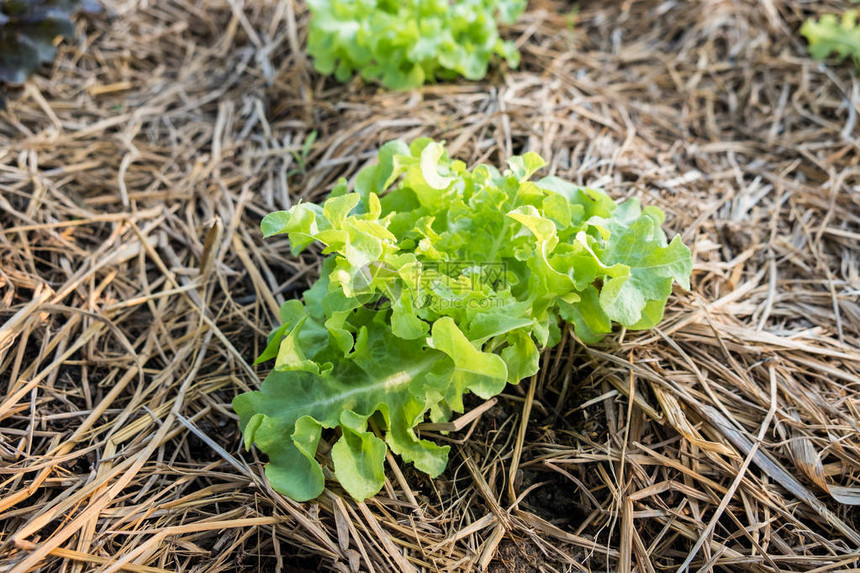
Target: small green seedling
(301, 156)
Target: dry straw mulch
(135, 291)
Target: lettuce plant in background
(28, 29)
(830, 35)
(439, 280)
(405, 43)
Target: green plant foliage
(439, 281)
(28, 29)
(405, 43)
(830, 35)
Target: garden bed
(136, 291)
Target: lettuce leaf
(830, 35)
(439, 281)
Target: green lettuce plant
(405, 43)
(439, 280)
(830, 35)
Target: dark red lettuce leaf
(28, 30)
